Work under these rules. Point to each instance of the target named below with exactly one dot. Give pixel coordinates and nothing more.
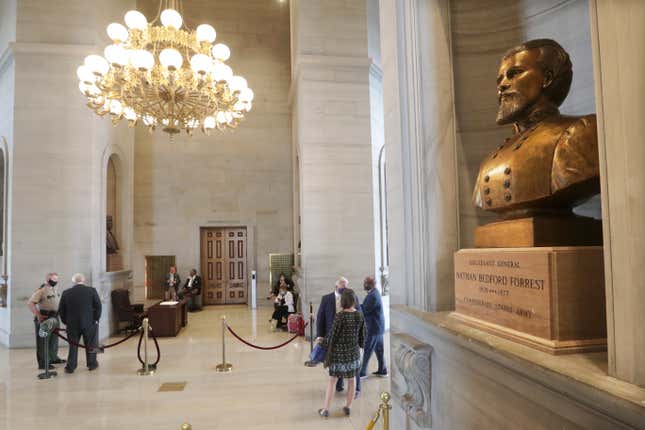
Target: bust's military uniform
(47, 299)
(547, 166)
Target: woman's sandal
(347, 411)
(323, 413)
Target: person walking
(329, 306)
(43, 304)
(343, 343)
(372, 308)
(80, 309)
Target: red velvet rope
(57, 331)
(263, 348)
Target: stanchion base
(142, 372)
(47, 375)
(224, 367)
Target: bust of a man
(550, 163)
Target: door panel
(224, 267)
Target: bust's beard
(511, 109)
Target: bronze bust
(550, 163)
(111, 245)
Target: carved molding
(412, 378)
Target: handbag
(318, 354)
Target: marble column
(618, 38)
(331, 127)
(421, 151)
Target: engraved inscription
(504, 287)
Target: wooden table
(167, 320)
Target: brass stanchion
(385, 409)
(145, 370)
(311, 327)
(224, 366)
(186, 426)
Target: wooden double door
(224, 267)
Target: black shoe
(59, 361)
(362, 376)
(68, 370)
(94, 367)
(347, 411)
(340, 389)
(380, 374)
(43, 367)
(323, 413)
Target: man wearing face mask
(43, 304)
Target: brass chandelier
(163, 74)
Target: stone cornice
(330, 62)
(16, 48)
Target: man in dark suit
(193, 290)
(329, 305)
(80, 310)
(375, 321)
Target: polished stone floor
(266, 390)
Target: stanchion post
(385, 409)
(224, 366)
(43, 339)
(186, 426)
(145, 370)
(311, 327)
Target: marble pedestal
(549, 298)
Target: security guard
(43, 303)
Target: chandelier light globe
(171, 18)
(205, 33)
(237, 83)
(129, 114)
(89, 89)
(246, 95)
(97, 64)
(116, 55)
(116, 107)
(221, 52)
(141, 59)
(209, 122)
(165, 75)
(171, 59)
(135, 20)
(85, 75)
(201, 63)
(117, 32)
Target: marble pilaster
(618, 39)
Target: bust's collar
(535, 117)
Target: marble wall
(243, 178)
(331, 106)
(7, 23)
(60, 152)
(7, 78)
